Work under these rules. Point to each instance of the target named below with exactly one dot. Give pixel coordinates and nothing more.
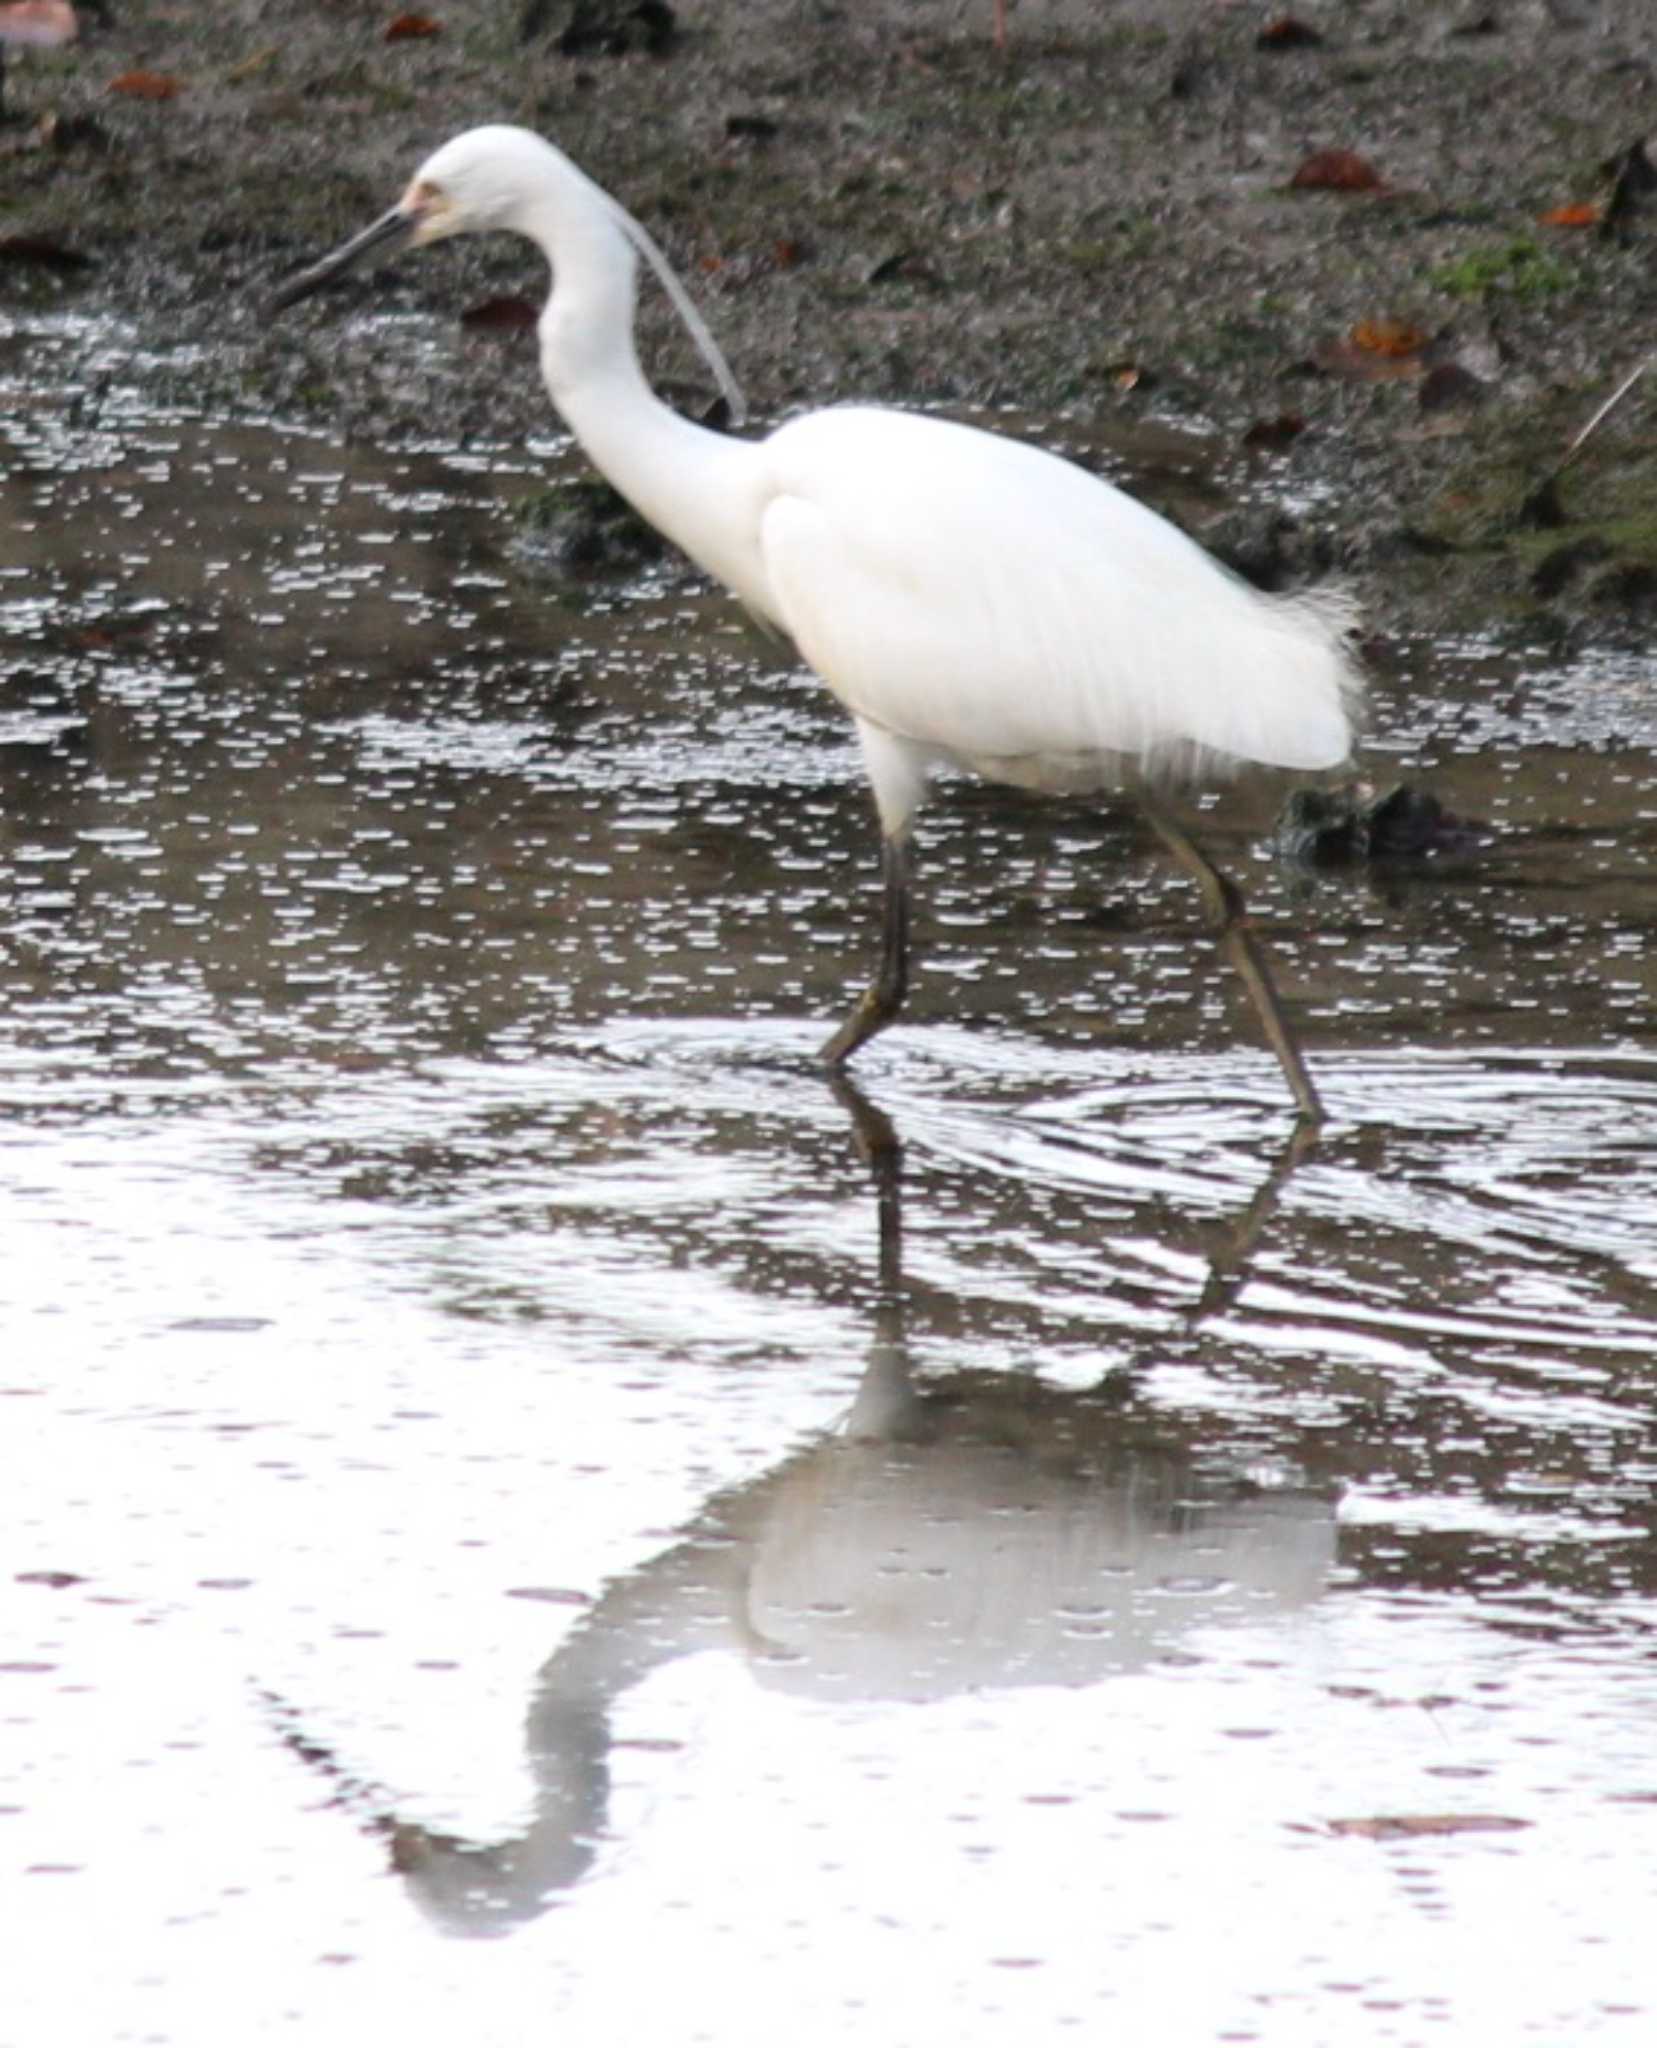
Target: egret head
(502, 177)
(476, 182)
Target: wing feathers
(975, 595)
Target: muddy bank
(1096, 228)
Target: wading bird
(970, 599)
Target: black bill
(389, 232)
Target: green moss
(1520, 267)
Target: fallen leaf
(750, 127)
(1587, 213)
(1346, 357)
(41, 23)
(146, 85)
(1336, 170)
(1286, 33)
(1447, 386)
(510, 314)
(1275, 435)
(787, 253)
(1389, 337)
(249, 67)
(39, 249)
(900, 263)
(1397, 1827)
(411, 28)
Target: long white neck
(695, 486)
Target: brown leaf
(504, 314)
(40, 249)
(1124, 373)
(1397, 1827)
(1272, 436)
(1448, 387)
(1587, 213)
(900, 263)
(146, 85)
(250, 67)
(411, 28)
(1287, 34)
(1389, 338)
(1346, 357)
(1337, 170)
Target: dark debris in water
(1340, 827)
(45, 252)
(604, 28)
(584, 528)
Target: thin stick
(1616, 398)
(1541, 506)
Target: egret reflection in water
(958, 1533)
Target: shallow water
(481, 1462)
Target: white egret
(970, 599)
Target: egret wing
(975, 595)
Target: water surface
(505, 1540)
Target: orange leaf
(146, 85)
(1388, 337)
(1343, 357)
(409, 28)
(1586, 214)
(1336, 170)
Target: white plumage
(967, 597)
(991, 602)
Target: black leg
(883, 998)
(1228, 913)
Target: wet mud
(1098, 227)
